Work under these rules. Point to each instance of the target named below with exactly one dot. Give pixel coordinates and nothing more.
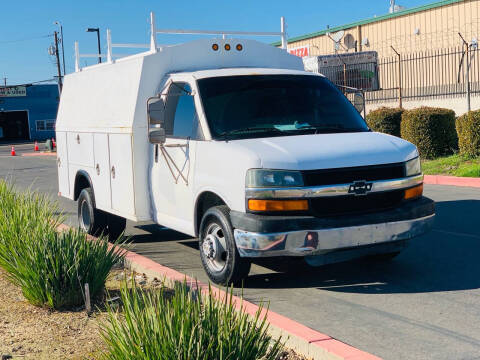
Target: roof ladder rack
(153, 40)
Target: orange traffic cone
(35, 148)
(13, 153)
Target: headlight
(273, 178)
(412, 167)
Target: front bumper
(255, 235)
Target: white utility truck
(231, 141)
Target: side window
(181, 116)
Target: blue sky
(26, 26)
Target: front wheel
(219, 254)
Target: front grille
(350, 204)
(351, 174)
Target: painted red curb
(40, 154)
(452, 180)
(317, 339)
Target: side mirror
(157, 136)
(155, 111)
(359, 102)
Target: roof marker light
(227, 47)
(239, 47)
(215, 47)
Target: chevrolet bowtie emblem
(360, 187)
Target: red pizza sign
(300, 51)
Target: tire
(116, 226)
(90, 219)
(218, 252)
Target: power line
(25, 39)
(33, 82)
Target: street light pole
(97, 30)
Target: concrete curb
(40, 154)
(452, 180)
(298, 337)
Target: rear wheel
(97, 222)
(90, 219)
(219, 254)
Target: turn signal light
(227, 47)
(277, 205)
(239, 47)
(215, 47)
(414, 192)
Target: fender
(81, 174)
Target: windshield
(239, 107)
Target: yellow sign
(13, 91)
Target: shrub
(158, 325)
(432, 130)
(468, 130)
(385, 120)
(50, 267)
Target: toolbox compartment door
(62, 165)
(121, 174)
(101, 175)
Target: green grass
(157, 324)
(455, 165)
(51, 268)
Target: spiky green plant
(50, 267)
(186, 325)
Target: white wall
(459, 105)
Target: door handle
(98, 169)
(113, 172)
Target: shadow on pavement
(446, 259)
(443, 260)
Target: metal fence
(430, 74)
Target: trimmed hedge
(385, 120)
(468, 130)
(432, 130)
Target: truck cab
(241, 148)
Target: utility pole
(63, 48)
(60, 85)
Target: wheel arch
(82, 181)
(205, 200)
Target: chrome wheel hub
(214, 248)
(85, 216)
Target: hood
(324, 151)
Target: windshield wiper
(248, 130)
(327, 129)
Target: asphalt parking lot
(425, 304)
